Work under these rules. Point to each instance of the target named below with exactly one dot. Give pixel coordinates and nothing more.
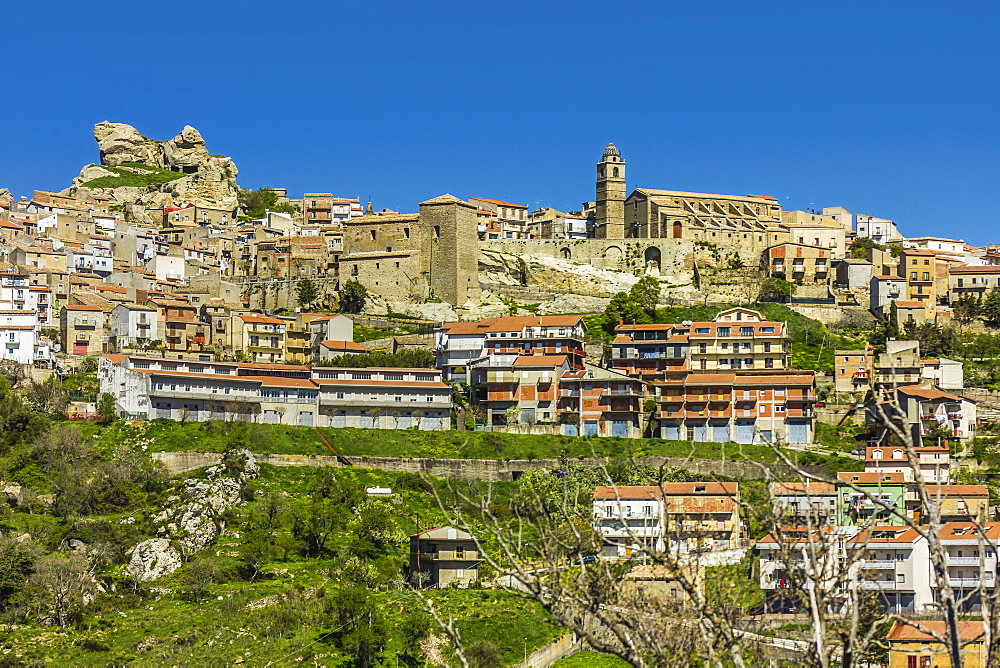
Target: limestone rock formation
(193, 520)
(120, 143)
(185, 172)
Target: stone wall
(555, 650)
(491, 470)
(676, 257)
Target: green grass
(588, 659)
(168, 436)
(362, 333)
(125, 177)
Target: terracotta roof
(281, 381)
(343, 345)
(968, 531)
(386, 384)
(628, 492)
(539, 360)
(518, 323)
(885, 534)
(114, 358)
(281, 367)
(799, 488)
(967, 631)
(260, 319)
(500, 202)
(988, 269)
(870, 477)
(927, 393)
(908, 304)
(74, 307)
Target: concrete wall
(491, 470)
(557, 649)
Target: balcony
(964, 561)
(881, 565)
(954, 416)
(968, 582)
(878, 584)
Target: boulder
(120, 142)
(154, 558)
(14, 495)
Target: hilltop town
(807, 404)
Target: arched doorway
(566, 253)
(652, 260)
(613, 257)
(678, 229)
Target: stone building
(416, 256)
(444, 556)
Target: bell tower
(609, 220)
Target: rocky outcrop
(193, 519)
(202, 179)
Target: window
(900, 577)
(701, 330)
(393, 376)
(779, 409)
(746, 331)
(723, 331)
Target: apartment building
(82, 329)
(793, 559)
(974, 281)
(883, 289)
(738, 339)
(799, 262)
(600, 402)
(462, 349)
(742, 407)
(179, 325)
(919, 267)
(910, 647)
(971, 562)
(866, 498)
(808, 503)
(945, 373)
(900, 364)
(853, 370)
(132, 324)
(650, 352)
(276, 393)
(684, 517)
(15, 292)
(879, 230)
(299, 336)
(934, 462)
(330, 350)
(894, 561)
(928, 413)
(956, 503)
(261, 337)
(520, 390)
(18, 335)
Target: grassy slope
(162, 435)
(168, 627)
(125, 177)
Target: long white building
(277, 393)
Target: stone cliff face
(141, 173)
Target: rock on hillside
(141, 173)
(193, 520)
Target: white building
(131, 323)
(277, 393)
(884, 289)
(18, 335)
(946, 374)
(879, 230)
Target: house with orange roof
(918, 645)
(261, 337)
(928, 413)
(866, 497)
(512, 218)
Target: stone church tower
(610, 216)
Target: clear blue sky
(887, 108)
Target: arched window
(876, 454)
(897, 454)
(615, 172)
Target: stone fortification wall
(670, 257)
(491, 470)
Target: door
(672, 432)
(798, 431)
(720, 432)
(270, 417)
(700, 432)
(305, 419)
(79, 348)
(590, 428)
(570, 429)
(744, 431)
(619, 428)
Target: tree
(646, 293)
(991, 308)
(859, 248)
(967, 307)
(106, 408)
(777, 289)
(308, 292)
(59, 587)
(199, 575)
(353, 297)
(359, 628)
(256, 203)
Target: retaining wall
(491, 470)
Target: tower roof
(611, 151)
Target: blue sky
(887, 108)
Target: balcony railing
(878, 584)
(879, 565)
(964, 561)
(968, 582)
